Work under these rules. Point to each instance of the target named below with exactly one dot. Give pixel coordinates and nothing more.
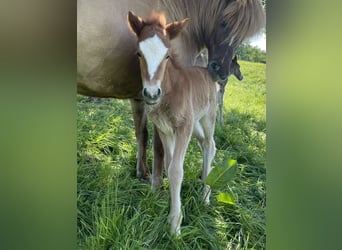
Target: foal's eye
(167, 56)
(138, 54)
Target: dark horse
(107, 65)
(234, 70)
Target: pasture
(117, 211)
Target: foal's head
(154, 37)
(235, 69)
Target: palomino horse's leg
(175, 176)
(158, 155)
(220, 95)
(141, 134)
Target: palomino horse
(234, 70)
(106, 61)
(180, 102)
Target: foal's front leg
(175, 176)
(141, 134)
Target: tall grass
(117, 211)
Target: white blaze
(154, 52)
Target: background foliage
(250, 53)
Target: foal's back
(203, 89)
(191, 84)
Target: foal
(234, 70)
(180, 102)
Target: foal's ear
(135, 23)
(173, 29)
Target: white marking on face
(154, 52)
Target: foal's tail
(245, 19)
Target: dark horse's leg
(158, 156)
(141, 133)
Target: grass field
(117, 211)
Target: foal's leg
(220, 95)
(141, 134)
(158, 155)
(175, 176)
(208, 149)
(168, 143)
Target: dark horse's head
(233, 22)
(220, 54)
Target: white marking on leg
(208, 155)
(175, 177)
(206, 194)
(154, 52)
(175, 181)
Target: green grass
(116, 211)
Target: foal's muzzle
(151, 95)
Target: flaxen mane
(244, 18)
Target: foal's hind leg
(141, 134)
(220, 95)
(158, 155)
(208, 149)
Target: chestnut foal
(180, 102)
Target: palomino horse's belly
(106, 58)
(111, 79)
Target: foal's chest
(162, 120)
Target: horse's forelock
(156, 18)
(155, 23)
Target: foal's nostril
(145, 92)
(158, 92)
